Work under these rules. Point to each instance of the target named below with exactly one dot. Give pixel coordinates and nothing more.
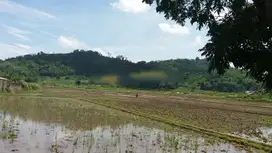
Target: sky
(111, 27)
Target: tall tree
(242, 35)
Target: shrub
(29, 86)
(91, 82)
(78, 82)
(31, 79)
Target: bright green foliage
(91, 68)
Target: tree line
(167, 74)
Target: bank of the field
(242, 96)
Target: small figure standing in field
(137, 95)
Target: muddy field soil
(249, 119)
(83, 110)
(31, 124)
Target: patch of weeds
(3, 135)
(267, 121)
(196, 145)
(29, 86)
(91, 141)
(4, 125)
(54, 149)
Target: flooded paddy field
(60, 121)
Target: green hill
(98, 69)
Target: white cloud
(9, 50)
(174, 29)
(48, 34)
(133, 6)
(7, 6)
(18, 33)
(22, 46)
(99, 50)
(198, 40)
(71, 43)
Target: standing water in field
(42, 125)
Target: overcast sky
(118, 27)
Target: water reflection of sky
(36, 137)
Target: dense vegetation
(240, 32)
(118, 71)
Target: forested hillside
(119, 71)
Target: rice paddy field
(70, 120)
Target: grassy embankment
(108, 83)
